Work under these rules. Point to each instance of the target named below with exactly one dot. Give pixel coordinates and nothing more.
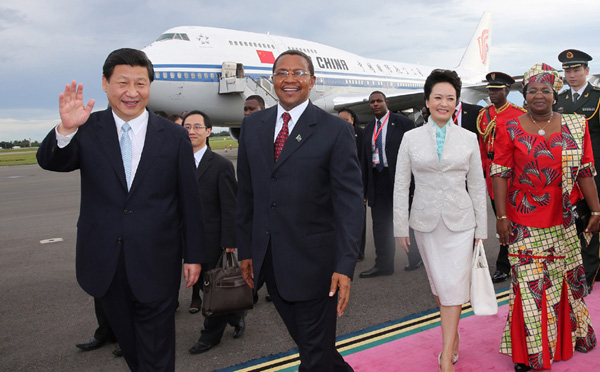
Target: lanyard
(385, 120)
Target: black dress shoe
(374, 271)
(413, 267)
(520, 367)
(239, 329)
(268, 298)
(195, 305)
(200, 347)
(91, 344)
(499, 277)
(255, 297)
(118, 352)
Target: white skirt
(447, 256)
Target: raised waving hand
(72, 111)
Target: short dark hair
(378, 92)
(442, 76)
(207, 121)
(294, 52)
(162, 114)
(257, 98)
(127, 56)
(348, 110)
(174, 117)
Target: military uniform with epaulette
(587, 104)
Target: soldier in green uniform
(583, 98)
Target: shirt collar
(580, 91)
(199, 154)
(136, 124)
(295, 113)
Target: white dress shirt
(139, 127)
(199, 154)
(580, 91)
(295, 114)
(384, 123)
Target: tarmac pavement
(44, 312)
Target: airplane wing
(396, 102)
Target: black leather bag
(582, 214)
(224, 288)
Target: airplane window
(206, 75)
(172, 74)
(235, 42)
(165, 37)
(256, 46)
(230, 42)
(164, 75)
(186, 75)
(179, 75)
(177, 37)
(212, 75)
(157, 75)
(245, 43)
(193, 75)
(185, 37)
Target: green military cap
(498, 80)
(572, 58)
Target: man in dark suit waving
(300, 212)
(140, 212)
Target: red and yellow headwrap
(543, 73)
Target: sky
(46, 44)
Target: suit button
(273, 205)
(127, 211)
(119, 240)
(267, 232)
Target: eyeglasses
(545, 92)
(284, 74)
(194, 127)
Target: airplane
(215, 70)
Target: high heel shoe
(455, 356)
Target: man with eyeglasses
(300, 211)
(583, 98)
(218, 192)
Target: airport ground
(44, 312)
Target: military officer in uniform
(583, 98)
(499, 112)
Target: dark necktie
(576, 96)
(455, 117)
(379, 146)
(283, 135)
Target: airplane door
(320, 84)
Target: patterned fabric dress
(547, 318)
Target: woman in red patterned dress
(540, 156)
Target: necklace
(541, 131)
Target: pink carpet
(480, 342)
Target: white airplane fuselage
(215, 70)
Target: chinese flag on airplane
(265, 56)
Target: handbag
(483, 295)
(224, 288)
(582, 214)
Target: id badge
(375, 156)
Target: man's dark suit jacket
(218, 191)
(307, 206)
(469, 117)
(397, 126)
(155, 224)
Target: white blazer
(440, 185)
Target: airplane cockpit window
(173, 36)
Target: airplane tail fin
(475, 63)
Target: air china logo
(483, 46)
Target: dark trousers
(104, 331)
(502, 263)
(146, 331)
(591, 259)
(215, 326)
(382, 212)
(363, 239)
(311, 324)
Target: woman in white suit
(449, 206)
